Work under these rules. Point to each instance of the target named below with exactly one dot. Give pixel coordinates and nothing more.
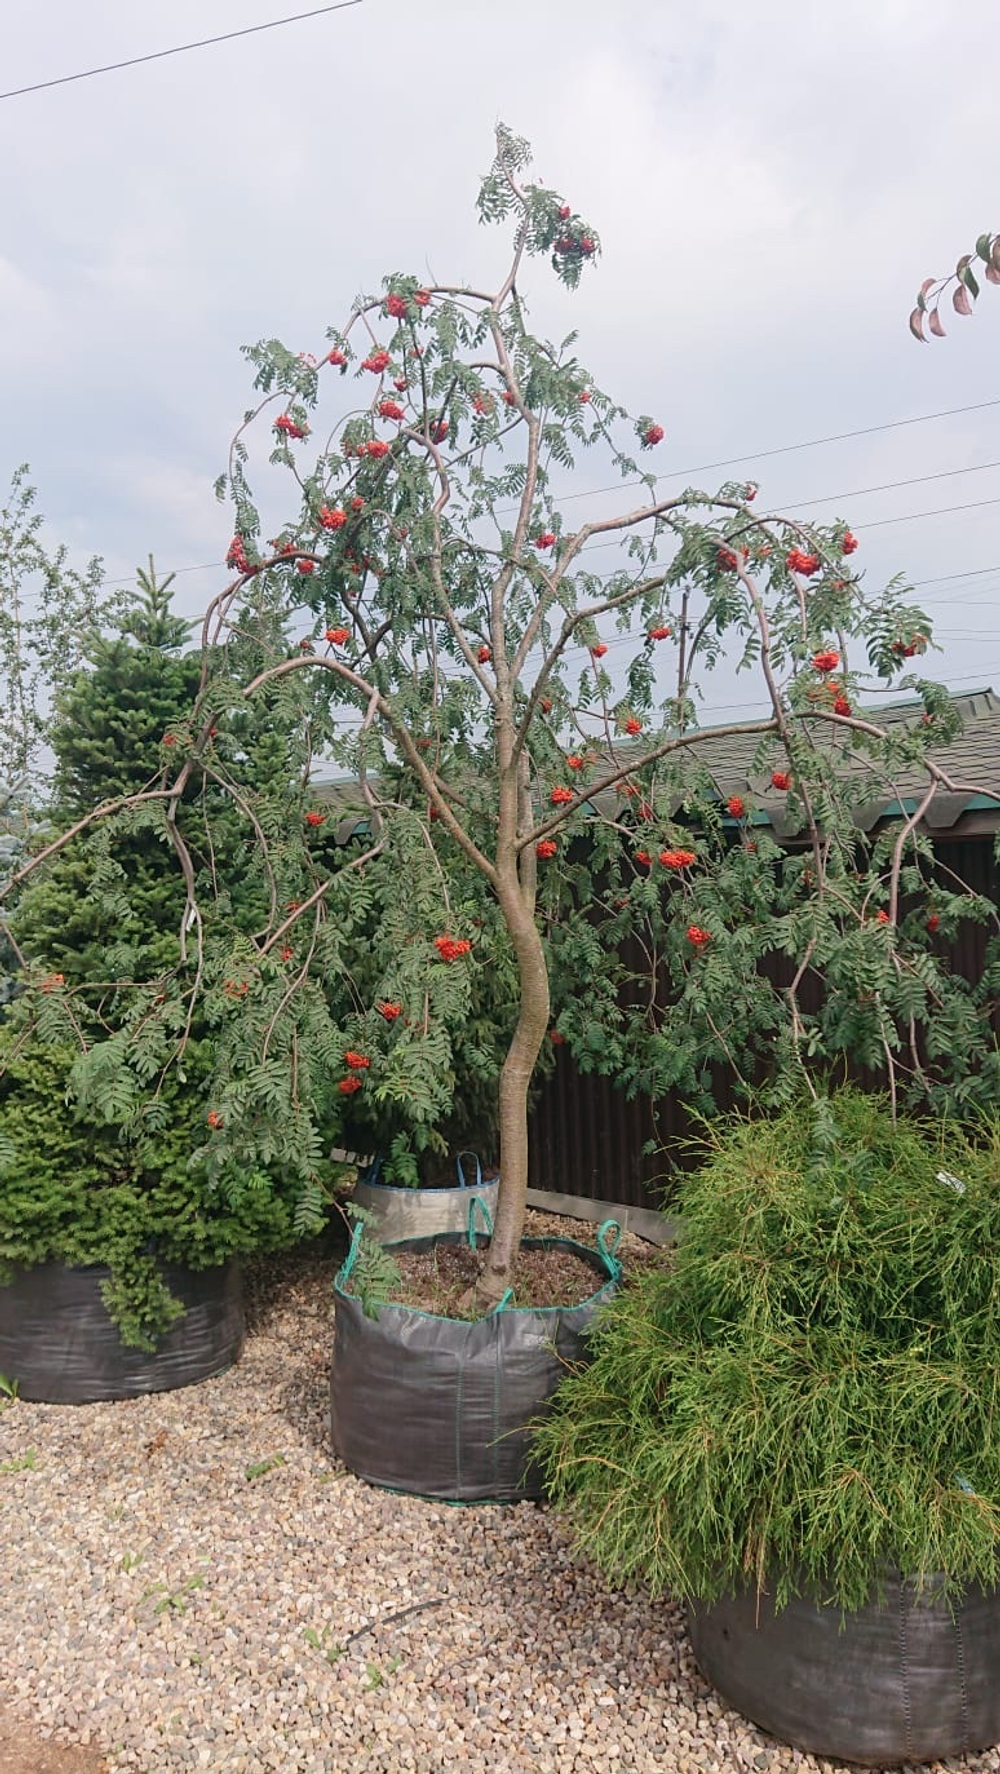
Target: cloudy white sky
(771, 183)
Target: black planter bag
(913, 1678)
(439, 1407)
(58, 1343)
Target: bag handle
(609, 1237)
(351, 1258)
(477, 1201)
(460, 1170)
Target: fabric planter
(911, 1679)
(440, 1407)
(58, 1343)
(400, 1214)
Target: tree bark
(515, 1081)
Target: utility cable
(179, 49)
(787, 449)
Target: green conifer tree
(109, 906)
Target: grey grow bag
(58, 1343)
(439, 1407)
(911, 1679)
(400, 1213)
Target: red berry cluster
(849, 544)
(826, 661)
(659, 634)
(633, 725)
(356, 1062)
(336, 357)
(599, 651)
(697, 936)
(332, 517)
(806, 564)
(484, 655)
(376, 361)
(726, 559)
(561, 797)
(780, 779)
(653, 434)
(287, 426)
(736, 806)
(337, 636)
(396, 307)
(390, 1010)
(389, 409)
(546, 539)
(546, 848)
(569, 246)
(315, 819)
(236, 557)
(677, 859)
(451, 947)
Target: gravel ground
(192, 1581)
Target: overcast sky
(771, 183)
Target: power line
(946, 578)
(890, 486)
(788, 449)
(910, 517)
(179, 49)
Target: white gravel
(169, 1610)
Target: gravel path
(191, 1581)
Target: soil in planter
(437, 1280)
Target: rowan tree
(510, 678)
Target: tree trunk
(515, 1080)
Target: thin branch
(403, 738)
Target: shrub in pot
(790, 1424)
(119, 1264)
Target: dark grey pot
(58, 1343)
(440, 1407)
(909, 1680)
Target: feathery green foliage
(806, 1390)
